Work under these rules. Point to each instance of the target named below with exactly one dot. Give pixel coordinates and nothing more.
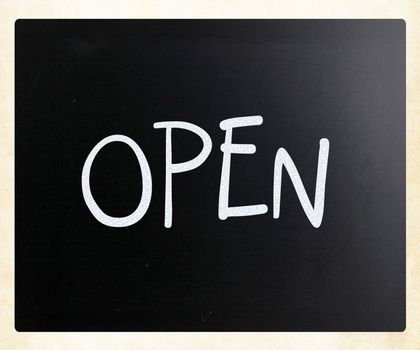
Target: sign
(210, 175)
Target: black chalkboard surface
(164, 226)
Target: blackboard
(306, 87)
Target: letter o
(146, 184)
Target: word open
(282, 160)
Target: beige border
(12, 9)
